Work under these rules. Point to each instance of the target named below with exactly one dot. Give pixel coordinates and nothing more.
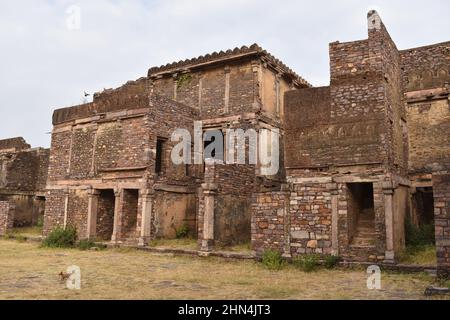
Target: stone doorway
(423, 206)
(361, 215)
(105, 215)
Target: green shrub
(331, 261)
(86, 244)
(272, 260)
(419, 236)
(8, 236)
(307, 263)
(61, 238)
(182, 232)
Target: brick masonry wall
(441, 191)
(6, 217)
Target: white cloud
(46, 66)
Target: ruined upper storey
(383, 106)
(243, 80)
(13, 145)
(237, 81)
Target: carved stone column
(117, 216)
(147, 215)
(209, 189)
(209, 193)
(93, 196)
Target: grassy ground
(30, 272)
(186, 244)
(192, 244)
(28, 232)
(420, 255)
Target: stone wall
(310, 216)
(23, 177)
(441, 189)
(6, 217)
(428, 128)
(173, 211)
(425, 67)
(269, 221)
(24, 170)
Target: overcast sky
(46, 63)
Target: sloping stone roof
(254, 49)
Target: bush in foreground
(272, 260)
(331, 262)
(307, 263)
(61, 238)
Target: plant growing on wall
(184, 80)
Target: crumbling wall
(13, 145)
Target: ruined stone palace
(358, 157)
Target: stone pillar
(147, 215)
(117, 216)
(91, 231)
(209, 193)
(388, 192)
(335, 220)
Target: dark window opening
(159, 165)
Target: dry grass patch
(183, 243)
(419, 255)
(30, 272)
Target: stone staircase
(363, 243)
